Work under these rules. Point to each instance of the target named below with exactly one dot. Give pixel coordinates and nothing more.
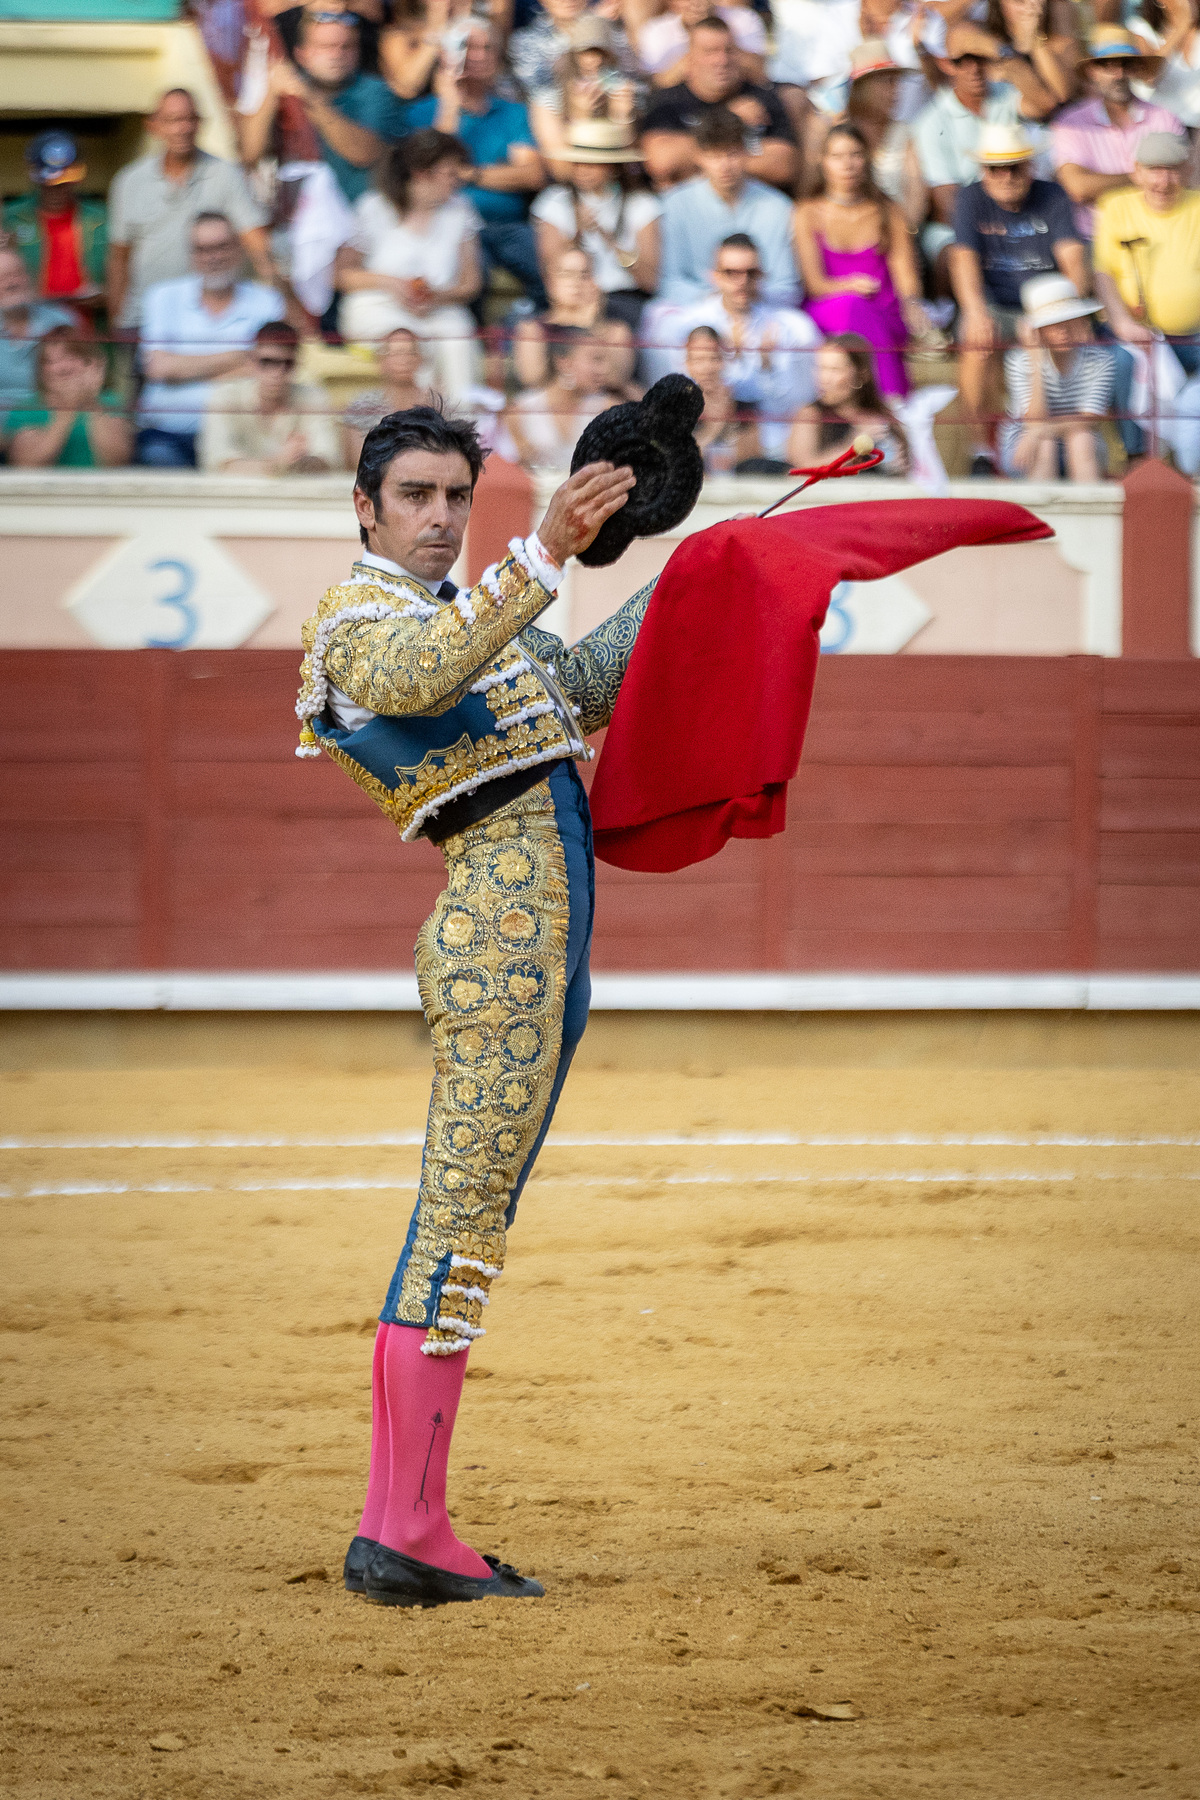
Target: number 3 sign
(168, 592)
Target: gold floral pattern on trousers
(491, 962)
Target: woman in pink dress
(857, 260)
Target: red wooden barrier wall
(952, 813)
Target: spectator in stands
(536, 49)
(196, 330)
(1147, 251)
(61, 232)
(576, 304)
(354, 116)
(76, 425)
(1007, 228)
(616, 340)
(1095, 139)
(814, 43)
(857, 260)
(154, 201)
(1029, 51)
(946, 134)
(768, 348)
(417, 39)
(1147, 258)
(1169, 26)
(590, 85)
(399, 357)
(714, 82)
(848, 403)
(547, 424)
(415, 260)
(24, 321)
(662, 41)
(699, 214)
(506, 168)
(1060, 386)
(268, 423)
(601, 209)
(874, 95)
(726, 432)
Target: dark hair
(278, 331)
(995, 22)
(417, 428)
(720, 129)
(738, 240)
(563, 341)
(413, 155)
(705, 331)
(88, 349)
(178, 92)
(867, 392)
(870, 187)
(711, 22)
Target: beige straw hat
(1001, 144)
(599, 141)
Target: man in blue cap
(61, 233)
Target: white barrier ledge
(766, 992)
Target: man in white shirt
(195, 331)
(769, 349)
(662, 42)
(946, 133)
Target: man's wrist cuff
(542, 563)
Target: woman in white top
(547, 423)
(1168, 27)
(599, 210)
(415, 257)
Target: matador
(463, 721)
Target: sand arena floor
(899, 1423)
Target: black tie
(447, 591)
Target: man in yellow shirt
(1147, 247)
(1147, 261)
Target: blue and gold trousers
(502, 965)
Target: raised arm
(409, 660)
(590, 673)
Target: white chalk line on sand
(725, 1140)
(704, 1178)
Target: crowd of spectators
(528, 210)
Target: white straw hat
(598, 141)
(1001, 144)
(1052, 299)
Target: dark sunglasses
(276, 362)
(333, 18)
(960, 62)
(741, 274)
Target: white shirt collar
(369, 558)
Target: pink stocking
(375, 1504)
(419, 1396)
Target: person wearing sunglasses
(268, 423)
(975, 92)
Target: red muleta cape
(711, 716)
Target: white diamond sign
(872, 618)
(168, 591)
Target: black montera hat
(654, 438)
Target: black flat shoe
(355, 1566)
(392, 1579)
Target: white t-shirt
(1178, 88)
(389, 246)
(555, 205)
(664, 40)
(813, 41)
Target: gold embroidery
(490, 966)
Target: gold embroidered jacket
(464, 690)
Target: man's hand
(1132, 331)
(580, 507)
(978, 330)
(286, 78)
